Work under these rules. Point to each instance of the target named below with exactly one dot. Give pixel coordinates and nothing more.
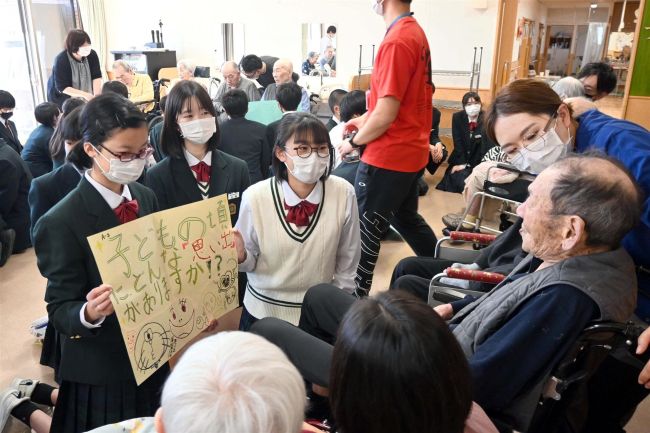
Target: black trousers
(309, 346)
(414, 274)
(388, 197)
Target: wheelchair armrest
(449, 294)
(477, 238)
(512, 168)
(472, 275)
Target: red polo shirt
(403, 70)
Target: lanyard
(407, 14)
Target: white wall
(273, 27)
(534, 11)
(570, 16)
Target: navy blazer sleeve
(38, 204)
(9, 184)
(458, 132)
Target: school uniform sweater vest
(292, 261)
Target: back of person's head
(75, 39)
(250, 63)
(47, 113)
(304, 128)
(232, 382)
(119, 63)
(235, 102)
(71, 136)
(393, 350)
(331, 29)
(353, 104)
(522, 96)
(7, 100)
(116, 87)
(288, 96)
(602, 192)
(335, 98)
(106, 114)
(70, 104)
(569, 87)
(470, 95)
(606, 75)
(180, 98)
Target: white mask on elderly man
(551, 149)
(84, 51)
(378, 6)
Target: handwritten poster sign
(172, 272)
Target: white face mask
(199, 131)
(308, 170)
(552, 149)
(378, 6)
(84, 51)
(473, 110)
(122, 172)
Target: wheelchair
(510, 195)
(555, 403)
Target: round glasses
(533, 142)
(144, 153)
(305, 151)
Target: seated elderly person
(327, 63)
(576, 272)
(282, 72)
(309, 65)
(139, 85)
(569, 87)
(229, 382)
(234, 80)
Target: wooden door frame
(503, 43)
(630, 71)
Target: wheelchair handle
(479, 238)
(481, 276)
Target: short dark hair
(235, 102)
(70, 130)
(608, 207)
(57, 147)
(353, 103)
(394, 350)
(331, 29)
(75, 39)
(469, 95)
(106, 114)
(70, 104)
(162, 103)
(521, 96)
(7, 100)
(300, 126)
(335, 98)
(289, 96)
(606, 81)
(116, 87)
(171, 141)
(250, 63)
(46, 113)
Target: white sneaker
(37, 327)
(9, 399)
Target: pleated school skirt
(81, 407)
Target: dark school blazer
(175, 185)
(15, 179)
(91, 356)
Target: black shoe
(7, 238)
(423, 187)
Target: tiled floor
(22, 290)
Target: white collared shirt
(349, 244)
(113, 200)
(193, 160)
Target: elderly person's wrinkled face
(313, 59)
(232, 76)
(184, 73)
(281, 73)
(123, 76)
(541, 231)
(329, 53)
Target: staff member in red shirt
(395, 134)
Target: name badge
(478, 136)
(232, 195)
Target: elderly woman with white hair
(569, 87)
(229, 382)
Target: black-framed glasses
(305, 151)
(144, 153)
